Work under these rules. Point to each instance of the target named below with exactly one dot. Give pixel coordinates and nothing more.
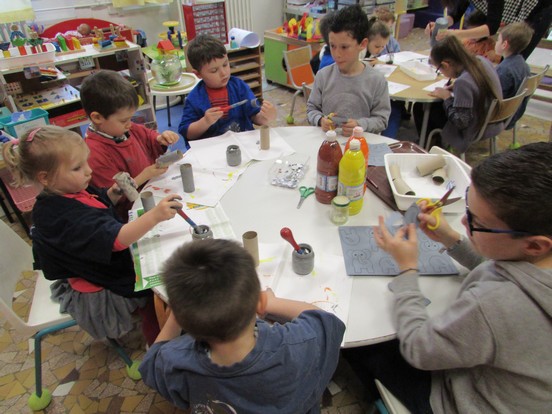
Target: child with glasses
(490, 350)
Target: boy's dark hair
(518, 35)
(213, 288)
(325, 26)
(476, 18)
(377, 27)
(106, 92)
(352, 20)
(518, 183)
(203, 49)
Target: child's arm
(286, 308)
(167, 138)
(148, 173)
(267, 114)
(170, 330)
(199, 127)
(403, 246)
(134, 230)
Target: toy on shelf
(174, 36)
(166, 69)
(306, 29)
(17, 37)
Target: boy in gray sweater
(490, 350)
(350, 88)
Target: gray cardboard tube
(251, 244)
(126, 184)
(169, 158)
(400, 185)
(430, 164)
(148, 202)
(439, 176)
(265, 137)
(187, 178)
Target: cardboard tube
(163, 161)
(187, 178)
(265, 137)
(439, 176)
(148, 202)
(427, 166)
(126, 184)
(400, 185)
(251, 244)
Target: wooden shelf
(245, 63)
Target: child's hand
(167, 138)
(166, 209)
(429, 28)
(326, 124)
(114, 193)
(268, 111)
(152, 171)
(442, 234)
(443, 93)
(212, 115)
(404, 250)
(347, 127)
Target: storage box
(406, 24)
(424, 187)
(24, 121)
(29, 58)
(418, 70)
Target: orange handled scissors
(435, 207)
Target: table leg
(168, 112)
(425, 121)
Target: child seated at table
(229, 357)
(78, 239)
(513, 70)
(489, 352)
(484, 46)
(466, 102)
(350, 88)
(116, 143)
(388, 17)
(206, 111)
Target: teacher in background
(536, 13)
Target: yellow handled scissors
(435, 207)
(305, 192)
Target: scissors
(305, 192)
(435, 207)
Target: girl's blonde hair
(40, 149)
(452, 50)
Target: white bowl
(418, 70)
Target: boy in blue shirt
(229, 358)
(206, 113)
(512, 40)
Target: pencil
(372, 182)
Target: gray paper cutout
(363, 257)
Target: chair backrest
(532, 82)
(506, 108)
(298, 66)
(15, 257)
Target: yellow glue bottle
(352, 173)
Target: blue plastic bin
(17, 123)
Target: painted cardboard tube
(148, 202)
(187, 174)
(163, 161)
(126, 184)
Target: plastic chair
(500, 111)
(389, 403)
(300, 74)
(530, 83)
(44, 316)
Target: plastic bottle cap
(357, 131)
(341, 201)
(354, 145)
(331, 135)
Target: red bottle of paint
(327, 168)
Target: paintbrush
(188, 219)
(255, 102)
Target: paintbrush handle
(185, 217)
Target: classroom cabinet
(60, 97)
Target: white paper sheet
(439, 84)
(402, 57)
(395, 87)
(386, 70)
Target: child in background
(325, 54)
(465, 102)
(116, 143)
(378, 35)
(387, 17)
(228, 357)
(203, 114)
(78, 240)
(513, 70)
(484, 46)
(350, 88)
(489, 352)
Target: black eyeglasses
(469, 218)
(437, 70)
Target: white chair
(300, 74)
(44, 317)
(392, 404)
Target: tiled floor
(87, 376)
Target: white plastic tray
(424, 187)
(418, 70)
